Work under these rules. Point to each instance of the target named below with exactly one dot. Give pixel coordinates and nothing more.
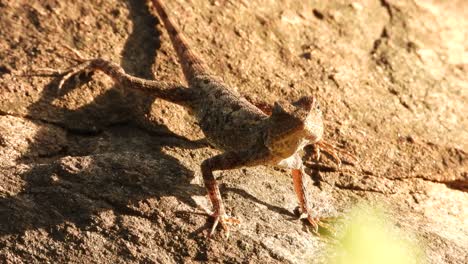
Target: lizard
(246, 134)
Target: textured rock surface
(95, 173)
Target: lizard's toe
(313, 221)
(224, 220)
(326, 224)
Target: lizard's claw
(73, 71)
(65, 74)
(313, 221)
(84, 63)
(325, 223)
(223, 220)
(334, 151)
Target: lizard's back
(228, 120)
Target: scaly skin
(246, 135)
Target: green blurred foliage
(369, 237)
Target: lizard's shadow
(89, 175)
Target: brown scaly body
(232, 124)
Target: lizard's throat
(287, 146)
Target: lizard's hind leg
(226, 161)
(171, 92)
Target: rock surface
(96, 173)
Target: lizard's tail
(191, 63)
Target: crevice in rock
(382, 38)
(358, 188)
(388, 8)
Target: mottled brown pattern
(247, 135)
(191, 63)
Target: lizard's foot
(314, 221)
(73, 71)
(333, 151)
(223, 220)
(324, 223)
(65, 74)
(84, 64)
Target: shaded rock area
(96, 173)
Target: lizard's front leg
(226, 161)
(300, 189)
(297, 169)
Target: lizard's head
(292, 125)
